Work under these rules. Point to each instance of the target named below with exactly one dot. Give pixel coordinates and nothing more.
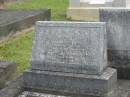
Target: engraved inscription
(70, 47)
(65, 47)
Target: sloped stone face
(75, 47)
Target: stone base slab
(7, 72)
(13, 89)
(83, 13)
(72, 83)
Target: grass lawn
(58, 7)
(18, 49)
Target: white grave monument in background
(89, 9)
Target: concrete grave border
(10, 29)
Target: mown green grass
(18, 49)
(58, 7)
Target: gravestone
(118, 34)
(70, 57)
(14, 21)
(122, 3)
(88, 10)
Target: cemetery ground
(68, 58)
(18, 48)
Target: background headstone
(118, 33)
(121, 3)
(118, 36)
(88, 10)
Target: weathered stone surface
(13, 21)
(13, 89)
(118, 35)
(77, 47)
(72, 83)
(121, 3)
(16, 87)
(70, 57)
(118, 39)
(7, 72)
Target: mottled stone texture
(16, 88)
(13, 21)
(81, 84)
(76, 47)
(123, 90)
(7, 72)
(13, 89)
(118, 35)
(118, 32)
(68, 57)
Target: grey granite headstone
(118, 34)
(70, 57)
(75, 47)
